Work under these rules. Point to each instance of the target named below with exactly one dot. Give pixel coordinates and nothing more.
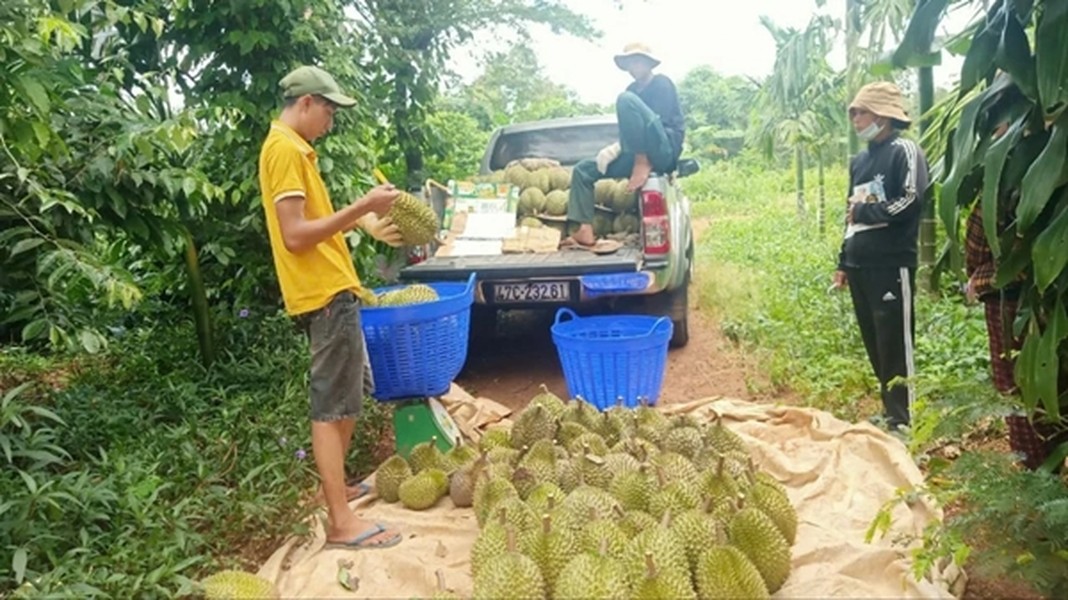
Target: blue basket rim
(560, 327)
(462, 289)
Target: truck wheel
(680, 312)
(483, 324)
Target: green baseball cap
(313, 80)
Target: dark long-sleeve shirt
(660, 96)
(892, 177)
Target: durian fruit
(412, 294)
(697, 531)
(602, 535)
(569, 431)
(623, 201)
(532, 222)
(589, 441)
(549, 401)
(621, 463)
(676, 468)
(658, 581)
(602, 224)
(462, 482)
(545, 497)
(686, 441)
(389, 476)
(533, 423)
(510, 574)
(755, 534)
(426, 455)
(633, 522)
(424, 489)
(673, 496)
(559, 178)
(721, 439)
(603, 191)
(551, 547)
(626, 223)
(773, 501)
(488, 492)
(517, 175)
(531, 201)
(495, 437)
(592, 575)
(416, 221)
(556, 203)
(492, 540)
(725, 572)
(633, 490)
(231, 584)
(541, 179)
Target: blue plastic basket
(417, 350)
(606, 358)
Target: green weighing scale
(418, 420)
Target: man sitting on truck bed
(651, 130)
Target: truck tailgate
(567, 263)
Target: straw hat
(635, 49)
(883, 99)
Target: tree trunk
(927, 224)
(821, 215)
(852, 35)
(799, 160)
(199, 300)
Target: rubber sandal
(360, 541)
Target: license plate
(536, 291)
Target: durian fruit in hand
(417, 222)
(231, 584)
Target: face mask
(868, 133)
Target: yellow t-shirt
(288, 167)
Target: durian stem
(511, 539)
(650, 566)
(546, 523)
(441, 580)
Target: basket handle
(657, 324)
(564, 312)
(470, 282)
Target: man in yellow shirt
(319, 283)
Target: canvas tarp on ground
(837, 474)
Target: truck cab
(651, 276)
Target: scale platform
(418, 420)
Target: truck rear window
(565, 144)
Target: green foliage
(413, 39)
(1030, 158)
(457, 145)
(1013, 525)
(144, 471)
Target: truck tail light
(656, 227)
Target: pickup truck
(651, 277)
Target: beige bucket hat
(635, 49)
(882, 98)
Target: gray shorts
(340, 369)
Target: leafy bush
(147, 471)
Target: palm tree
(800, 105)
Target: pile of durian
(545, 186)
(573, 502)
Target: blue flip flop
(358, 542)
(363, 490)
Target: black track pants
(883, 303)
